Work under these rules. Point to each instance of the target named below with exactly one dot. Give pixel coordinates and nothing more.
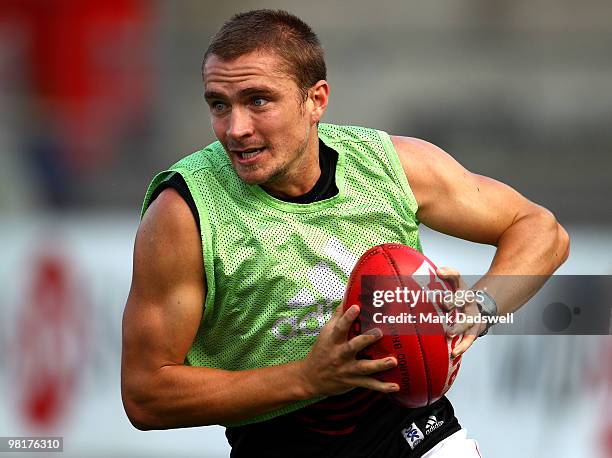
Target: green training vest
(275, 270)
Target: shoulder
(416, 152)
(168, 210)
(427, 166)
(168, 230)
(438, 181)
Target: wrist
(304, 388)
(488, 308)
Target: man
(245, 245)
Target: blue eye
(259, 102)
(217, 106)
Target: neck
(302, 175)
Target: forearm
(177, 396)
(528, 252)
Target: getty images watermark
(565, 305)
(391, 302)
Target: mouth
(248, 155)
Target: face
(261, 119)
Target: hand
(470, 331)
(331, 366)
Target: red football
(392, 283)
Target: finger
(448, 305)
(339, 311)
(466, 342)
(373, 384)
(344, 323)
(358, 343)
(457, 329)
(471, 310)
(449, 274)
(452, 276)
(369, 367)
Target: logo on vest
(413, 435)
(432, 424)
(327, 284)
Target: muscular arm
(529, 240)
(162, 316)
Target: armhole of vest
(398, 170)
(155, 182)
(205, 229)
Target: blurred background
(97, 96)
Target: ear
(319, 95)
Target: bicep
(165, 304)
(454, 201)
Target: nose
(240, 125)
